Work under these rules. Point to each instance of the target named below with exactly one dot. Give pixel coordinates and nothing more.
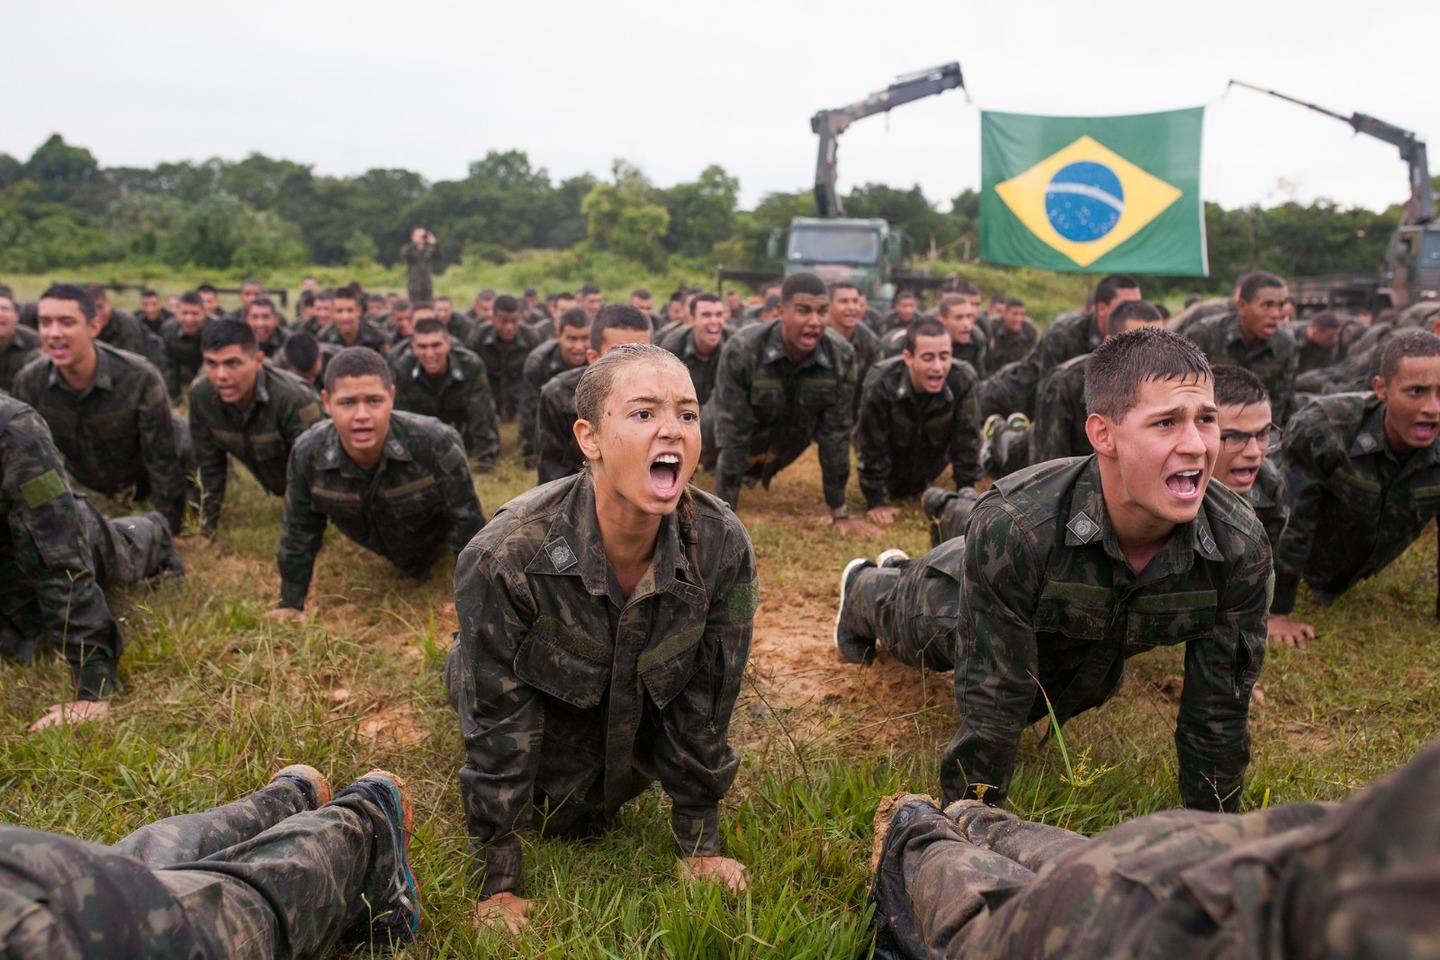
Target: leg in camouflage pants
(261, 877)
(912, 609)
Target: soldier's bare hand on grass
(731, 874)
(503, 911)
(883, 515)
(851, 525)
(76, 711)
(1283, 631)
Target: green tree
(624, 218)
(702, 212)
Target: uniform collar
(335, 457)
(905, 388)
(452, 369)
(1089, 521)
(572, 548)
(775, 348)
(104, 378)
(262, 387)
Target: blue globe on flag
(1083, 201)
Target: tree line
(61, 209)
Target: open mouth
(1185, 484)
(1243, 476)
(1424, 432)
(665, 476)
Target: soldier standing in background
(420, 256)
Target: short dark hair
(839, 285)
(704, 298)
(506, 304)
(251, 282)
(302, 350)
(192, 298)
(1000, 299)
(1257, 280)
(74, 293)
(358, 362)
(1325, 320)
(948, 303)
(264, 303)
(345, 293)
(429, 325)
(1128, 311)
(968, 287)
(802, 283)
(147, 292)
(1192, 299)
(772, 302)
(1238, 387)
(1403, 344)
(906, 295)
(617, 316)
(219, 334)
(529, 292)
(307, 298)
(643, 293)
(588, 289)
(924, 327)
(1014, 302)
(574, 317)
(1109, 287)
(207, 288)
(1115, 371)
(401, 304)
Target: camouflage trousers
(911, 609)
(1007, 451)
(948, 511)
(1352, 880)
(264, 876)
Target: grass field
(217, 699)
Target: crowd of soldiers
(1098, 537)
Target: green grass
(217, 699)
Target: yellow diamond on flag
(1085, 200)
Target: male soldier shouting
(440, 379)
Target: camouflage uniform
(460, 398)
(1069, 335)
(183, 360)
(1269, 497)
(419, 497)
(1272, 360)
(1058, 429)
(573, 698)
(123, 332)
(419, 270)
(868, 352)
(904, 439)
(974, 353)
(702, 370)
(557, 452)
(1037, 595)
(544, 362)
(156, 325)
(1344, 881)
(369, 335)
(1356, 372)
(1311, 356)
(264, 876)
(1356, 504)
(119, 433)
(23, 347)
(1007, 347)
(505, 365)
(283, 408)
(767, 410)
(273, 348)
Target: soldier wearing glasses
(1364, 476)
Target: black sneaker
(933, 501)
(894, 814)
(170, 563)
(394, 920)
(852, 646)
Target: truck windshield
(1430, 248)
(853, 245)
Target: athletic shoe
(992, 426)
(1017, 421)
(393, 920)
(852, 647)
(310, 780)
(891, 558)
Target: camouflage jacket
(274, 348)
(1270, 499)
(420, 263)
(905, 439)
(767, 410)
(23, 347)
(505, 364)
(1069, 335)
(1312, 356)
(702, 369)
(47, 551)
(1356, 505)
(1048, 601)
(974, 353)
(418, 497)
(557, 453)
(1273, 360)
(868, 352)
(182, 358)
(570, 693)
(1058, 429)
(370, 335)
(461, 398)
(544, 362)
(118, 433)
(156, 325)
(123, 332)
(1006, 347)
(261, 437)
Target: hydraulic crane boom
(829, 124)
(1421, 207)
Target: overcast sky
(675, 86)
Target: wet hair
(219, 334)
(1119, 366)
(617, 316)
(75, 294)
(704, 298)
(192, 298)
(574, 317)
(358, 362)
(802, 283)
(429, 325)
(264, 303)
(926, 327)
(1164, 311)
(1255, 281)
(1128, 311)
(302, 351)
(506, 304)
(1404, 344)
(1109, 287)
(1238, 387)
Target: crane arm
(829, 124)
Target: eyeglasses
(1235, 441)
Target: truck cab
(859, 251)
(1413, 264)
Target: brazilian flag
(1098, 194)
